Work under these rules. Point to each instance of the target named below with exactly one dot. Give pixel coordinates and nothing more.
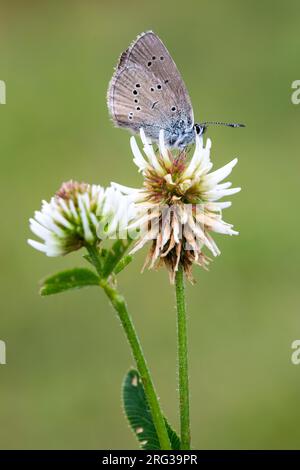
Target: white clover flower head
(179, 203)
(72, 217)
(115, 215)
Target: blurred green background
(66, 355)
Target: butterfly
(147, 91)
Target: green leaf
(139, 415)
(88, 259)
(66, 280)
(123, 263)
(114, 255)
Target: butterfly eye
(199, 129)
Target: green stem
(95, 259)
(182, 361)
(119, 304)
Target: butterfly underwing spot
(138, 108)
(135, 92)
(149, 63)
(130, 115)
(153, 57)
(136, 100)
(161, 57)
(138, 85)
(154, 104)
(152, 89)
(166, 81)
(173, 108)
(158, 87)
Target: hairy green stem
(119, 304)
(184, 406)
(94, 257)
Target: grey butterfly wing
(149, 93)
(139, 100)
(150, 52)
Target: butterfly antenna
(217, 123)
